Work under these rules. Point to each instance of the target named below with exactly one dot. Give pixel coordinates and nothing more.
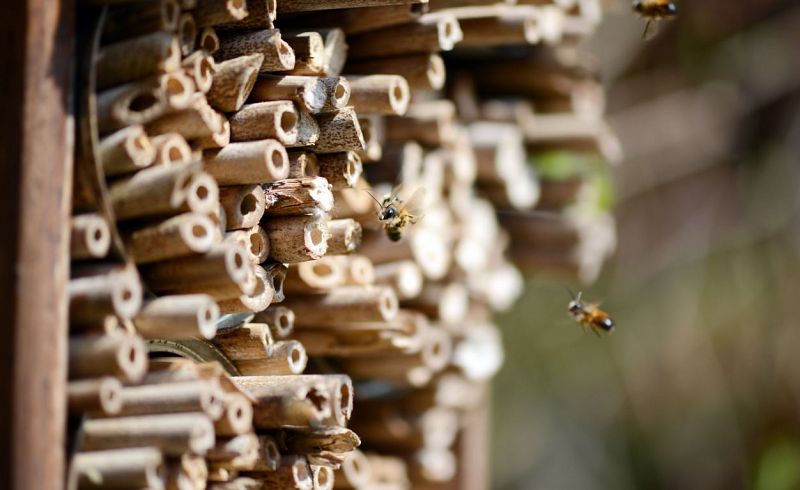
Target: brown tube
(171, 149)
(421, 71)
(254, 240)
(208, 40)
(233, 81)
(342, 170)
(296, 239)
(249, 162)
(179, 236)
(117, 468)
(174, 434)
(285, 357)
(137, 58)
(338, 93)
(258, 300)
(440, 34)
(244, 205)
(97, 292)
(281, 400)
(99, 395)
(279, 318)
(345, 304)
(237, 417)
(278, 55)
(186, 396)
(315, 276)
(184, 316)
(302, 164)
(102, 355)
(345, 236)
(379, 94)
(199, 66)
(215, 12)
(309, 52)
(90, 237)
(250, 341)
(261, 120)
(339, 131)
(126, 150)
(309, 93)
(291, 197)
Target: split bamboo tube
(171, 149)
(322, 477)
(261, 14)
(142, 101)
(244, 205)
(303, 164)
(355, 471)
(216, 12)
(208, 40)
(261, 120)
(345, 304)
(447, 303)
(338, 93)
(339, 131)
(405, 276)
(186, 396)
(293, 472)
(217, 139)
(423, 36)
(188, 472)
(95, 396)
(119, 468)
(187, 33)
(359, 270)
(199, 66)
(156, 191)
(285, 357)
(179, 236)
(278, 55)
(291, 197)
(174, 434)
(126, 150)
(309, 52)
(223, 273)
(90, 237)
(431, 123)
(421, 71)
(237, 452)
(279, 318)
(379, 94)
(137, 58)
(309, 93)
(288, 6)
(250, 341)
(277, 274)
(197, 122)
(341, 169)
(281, 401)
(107, 355)
(345, 236)
(233, 81)
(333, 439)
(183, 316)
(307, 130)
(248, 162)
(254, 240)
(237, 417)
(294, 239)
(315, 275)
(131, 20)
(96, 292)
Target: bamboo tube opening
(258, 244)
(110, 398)
(172, 148)
(127, 295)
(282, 321)
(437, 349)
(288, 120)
(170, 12)
(209, 41)
(132, 357)
(143, 101)
(323, 477)
(297, 358)
(90, 237)
(346, 399)
(300, 474)
(449, 33)
(388, 303)
(360, 270)
(436, 72)
(204, 73)
(203, 193)
(277, 160)
(277, 275)
(271, 453)
(316, 236)
(187, 33)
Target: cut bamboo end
(179, 236)
(126, 150)
(282, 401)
(182, 316)
(198, 122)
(137, 102)
(310, 93)
(379, 94)
(187, 33)
(405, 276)
(101, 395)
(373, 129)
(261, 120)
(293, 472)
(116, 355)
(244, 206)
(232, 82)
(322, 477)
(202, 194)
(345, 304)
(339, 131)
(237, 418)
(154, 191)
(279, 318)
(174, 434)
(345, 236)
(212, 12)
(171, 149)
(285, 357)
(128, 21)
(224, 272)
(355, 471)
(254, 240)
(269, 455)
(421, 71)
(137, 58)
(259, 300)
(315, 275)
(249, 162)
(430, 36)
(291, 197)
(90, 237)
(111, 290)
(278, 55)
(303, 164)
(360, 271)
(338, 93)
(199, 66)
(251, 341)
(208, 40)
(277, 275)
(116, 468)
(434, 465)
(307, 130)
(341, 170)
(501, 27)
(350, 203)
(184, 396)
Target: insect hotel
(205, 287)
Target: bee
(589, 315)
(654, 11)
(395, 214)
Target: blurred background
(699, 387)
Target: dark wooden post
(36, 136)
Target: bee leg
(594, 330)
(647, 28)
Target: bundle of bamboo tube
(235, 300)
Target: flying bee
(589, 315)
(395, 214)
(654, 11)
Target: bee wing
(650, 30)
(415, 204)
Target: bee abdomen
(394, 234)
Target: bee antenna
(569, 291)
(373, 198)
